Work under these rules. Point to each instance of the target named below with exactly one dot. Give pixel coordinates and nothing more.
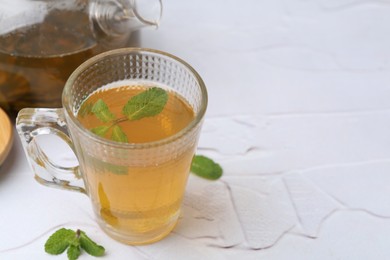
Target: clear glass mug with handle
(136, 189)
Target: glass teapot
(43, 41)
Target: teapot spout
(119, 17)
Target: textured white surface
(299, 118)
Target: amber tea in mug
(142, 198)
(136, 187)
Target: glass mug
(136, 189)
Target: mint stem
(119, 120)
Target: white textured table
(299, 118)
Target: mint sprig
(146, 104)
(64, 239)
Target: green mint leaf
(90, 246)
(73, 252)
(100, 109)
(59, 241)
(206, 168)
(75, 240)
(85, 109)
(146, 104)
(118, 134)
(100, 130)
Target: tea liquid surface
(176, 115)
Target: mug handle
(33, 122)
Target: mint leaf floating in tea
(206, 168)
(146, 104)
(100, 109)
(100, 130)
(64, 239)
(118, 134)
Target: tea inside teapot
(42, 44)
